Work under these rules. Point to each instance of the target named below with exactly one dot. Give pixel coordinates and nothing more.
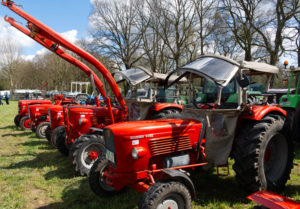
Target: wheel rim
(43, 131)
(172, 201)
(275, 157)
(27, 124)
(90, 154)
(102, 180)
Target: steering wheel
(81, 98)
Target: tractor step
(273, 201)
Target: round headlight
(135, 153)
(80, 121)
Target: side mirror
(243, 81)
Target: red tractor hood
(154, 128)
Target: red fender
(160, 106)
(258, 112)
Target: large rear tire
(41, 130)
(85, 151)
(16, 120)
(263, 155)
(25, 123)
(97, 180)
(61, 143)
(166, 195)
(56, 132)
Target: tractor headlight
(135, 153)
(82, 121)
(138, 152)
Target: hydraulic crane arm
(37, 27)
(55, 49)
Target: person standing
(1, 100)
(7, 98)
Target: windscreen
(134, 76)
(221, 71)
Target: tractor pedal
(223, 170)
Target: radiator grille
(169, 145)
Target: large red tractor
(51, 40)
(141, 100)
(154, 157)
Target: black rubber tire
(163, 114)
(97, 185)
(22, 120)
(296, 125)
(41, 130)
(263, 155)
(61, 143)
(48, 133)
(56, 132)
(16, 120)
(78, 152)
(168, 193)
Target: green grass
(35, 175)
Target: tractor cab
(292, 82)
(217, 98)
(144, 91)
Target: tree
(114, 30)
(9, 61)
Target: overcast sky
(68, 17)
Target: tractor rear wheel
(97, 179)
(166, 195)
(41, 130)
(61, 143)
(56, 132)
(48, 133)
(163, 114)
(263, 155)
(16, 120)
(25, 123)
(85, 151)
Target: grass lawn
(35, 175)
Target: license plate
(110, 156)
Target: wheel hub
(168, 204)
(93, 155)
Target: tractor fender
(258, 112)
(160, 106)
(183, 178)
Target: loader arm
(37, 27)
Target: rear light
(94, 121)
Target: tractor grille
(169, 145)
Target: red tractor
(154, 157)
(39, 115)
(22, 119)
(142, 105)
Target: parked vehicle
(154, 157)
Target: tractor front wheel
(25, 123)
(263, 155)
(48, 133)
(166, 195)
(41, 130)
(97, 178)
(56, 132)
(16, 120)
(61, 143)
(85, 151)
